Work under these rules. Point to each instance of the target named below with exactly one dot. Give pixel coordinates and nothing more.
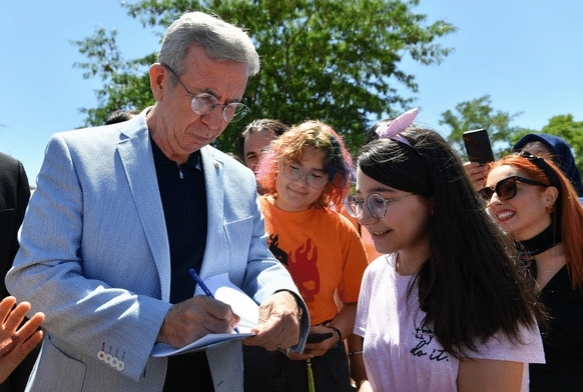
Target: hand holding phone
(478, 146)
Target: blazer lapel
(135, 152)
(213, 171)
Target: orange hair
(289, 147)
(571, 212)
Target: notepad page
(243, 305)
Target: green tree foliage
(566, 128)
(126, 82)
(336, 61)
(478, 113)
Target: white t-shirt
(399, 355)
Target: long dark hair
(471, 286)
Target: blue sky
(526, 54)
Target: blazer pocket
(57, 371)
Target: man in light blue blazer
(121, 213)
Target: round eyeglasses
(314, 180)
(376, 204)
(506, 188)
(205, 103)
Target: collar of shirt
(160, 159)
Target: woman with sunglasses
(533, 201)
(446, 309)
(543, 145)
(305, 172)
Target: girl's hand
(316, 349)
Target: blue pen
(203, 287)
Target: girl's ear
(550, 196)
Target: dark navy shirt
(183, 194)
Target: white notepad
(225, 291)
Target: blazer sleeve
(269, 276)
(86, 305)
(263, 275)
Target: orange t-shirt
(323, 253)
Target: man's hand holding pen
(278, 324)
(194, 318)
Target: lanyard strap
(311, 383)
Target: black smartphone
(319, 337)
(478, 146)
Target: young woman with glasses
(305, 172)
(535, 203)
(446, 308)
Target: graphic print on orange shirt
(301, 264)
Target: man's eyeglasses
(294, 173)
(376, 204)
(204, 103)
(506, 188)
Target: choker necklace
(539, 243)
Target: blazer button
(113, 362)
(101, 355)
(107, 358)
(120, 365)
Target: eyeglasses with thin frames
(314, 180)
(204, 103)
(376, 204)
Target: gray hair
(220, 40)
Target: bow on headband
(398, 125)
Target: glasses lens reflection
(377, 205)
(314, 180)
(203, 104)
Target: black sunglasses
(506, 188)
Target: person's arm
(340, 327)
(98, 291)
(284, 320)
(488, 375)
(356, 358)
(16, 343)
(344, 320)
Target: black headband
(544, 167)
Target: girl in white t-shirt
(447, 308)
